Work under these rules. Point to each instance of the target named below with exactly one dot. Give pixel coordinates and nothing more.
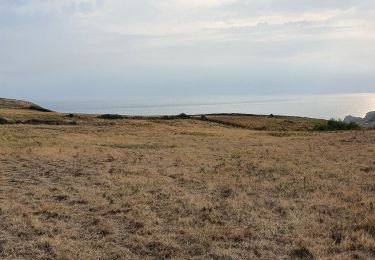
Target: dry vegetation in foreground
(153, 189)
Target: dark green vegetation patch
(111, 116)
(336, 125)
(3, 121)
(39, 108)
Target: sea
(316, 106)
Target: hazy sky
(93, 48)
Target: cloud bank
(53, 48)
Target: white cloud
(275, 19)
(103, 38)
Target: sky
(113, 48)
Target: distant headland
(20, 104)
(367, 121)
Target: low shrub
(45, 122)
(336, 125)
(3, 121)
(180, 116)
(110, 116)
(183, 116)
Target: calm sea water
(317, 106)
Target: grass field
(261, 122)
(199, 189)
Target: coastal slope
(6, 103)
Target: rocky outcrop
(370, 117)
(367, 121)
(353, 119)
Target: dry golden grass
(14, 104)
(153, 189)
(268, 123)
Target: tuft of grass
(140, 146)
(135, 190)
(336, 125)
(301, 253)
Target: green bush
(110, 116)
(3, 121)
(336, 125)
(180, 116)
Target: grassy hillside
(153, 188)
(268, 123)
(14, 104)
(6, 103)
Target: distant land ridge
(20, 104)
